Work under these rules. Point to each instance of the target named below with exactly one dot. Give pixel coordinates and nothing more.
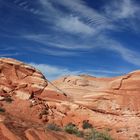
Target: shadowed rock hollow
(30, 102)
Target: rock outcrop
(114, 102)
(23, 81)
(20, 80)
(26, 105)
(17, 130)
(28, 102)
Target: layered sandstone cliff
(30, 102)
(114, 102)
(26, 105)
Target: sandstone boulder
(20, 79)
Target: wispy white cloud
(122, 9)
(57, 53)
(53, 72)
(105, 72)
(24, 4)
(82, 27)
(129, 55)
(9, 54)
(80, 7)
(101, 42)
(60, 41)
(7, 48)
(71, 21)
(124, 14)
(73, 24)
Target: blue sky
(62, 37)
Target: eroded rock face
(24, 103)
(30, 102)
(22, 132)
(19, 79)
(114, 102)
(114, 91)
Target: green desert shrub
(72, 129)
(86, 124)
(89, 134)
(96, 135)
(80, 134)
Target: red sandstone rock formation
(31, 102)
(112, 102)
(28, 104)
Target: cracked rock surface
(26, 105)
(28, 102)
(115, 102)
